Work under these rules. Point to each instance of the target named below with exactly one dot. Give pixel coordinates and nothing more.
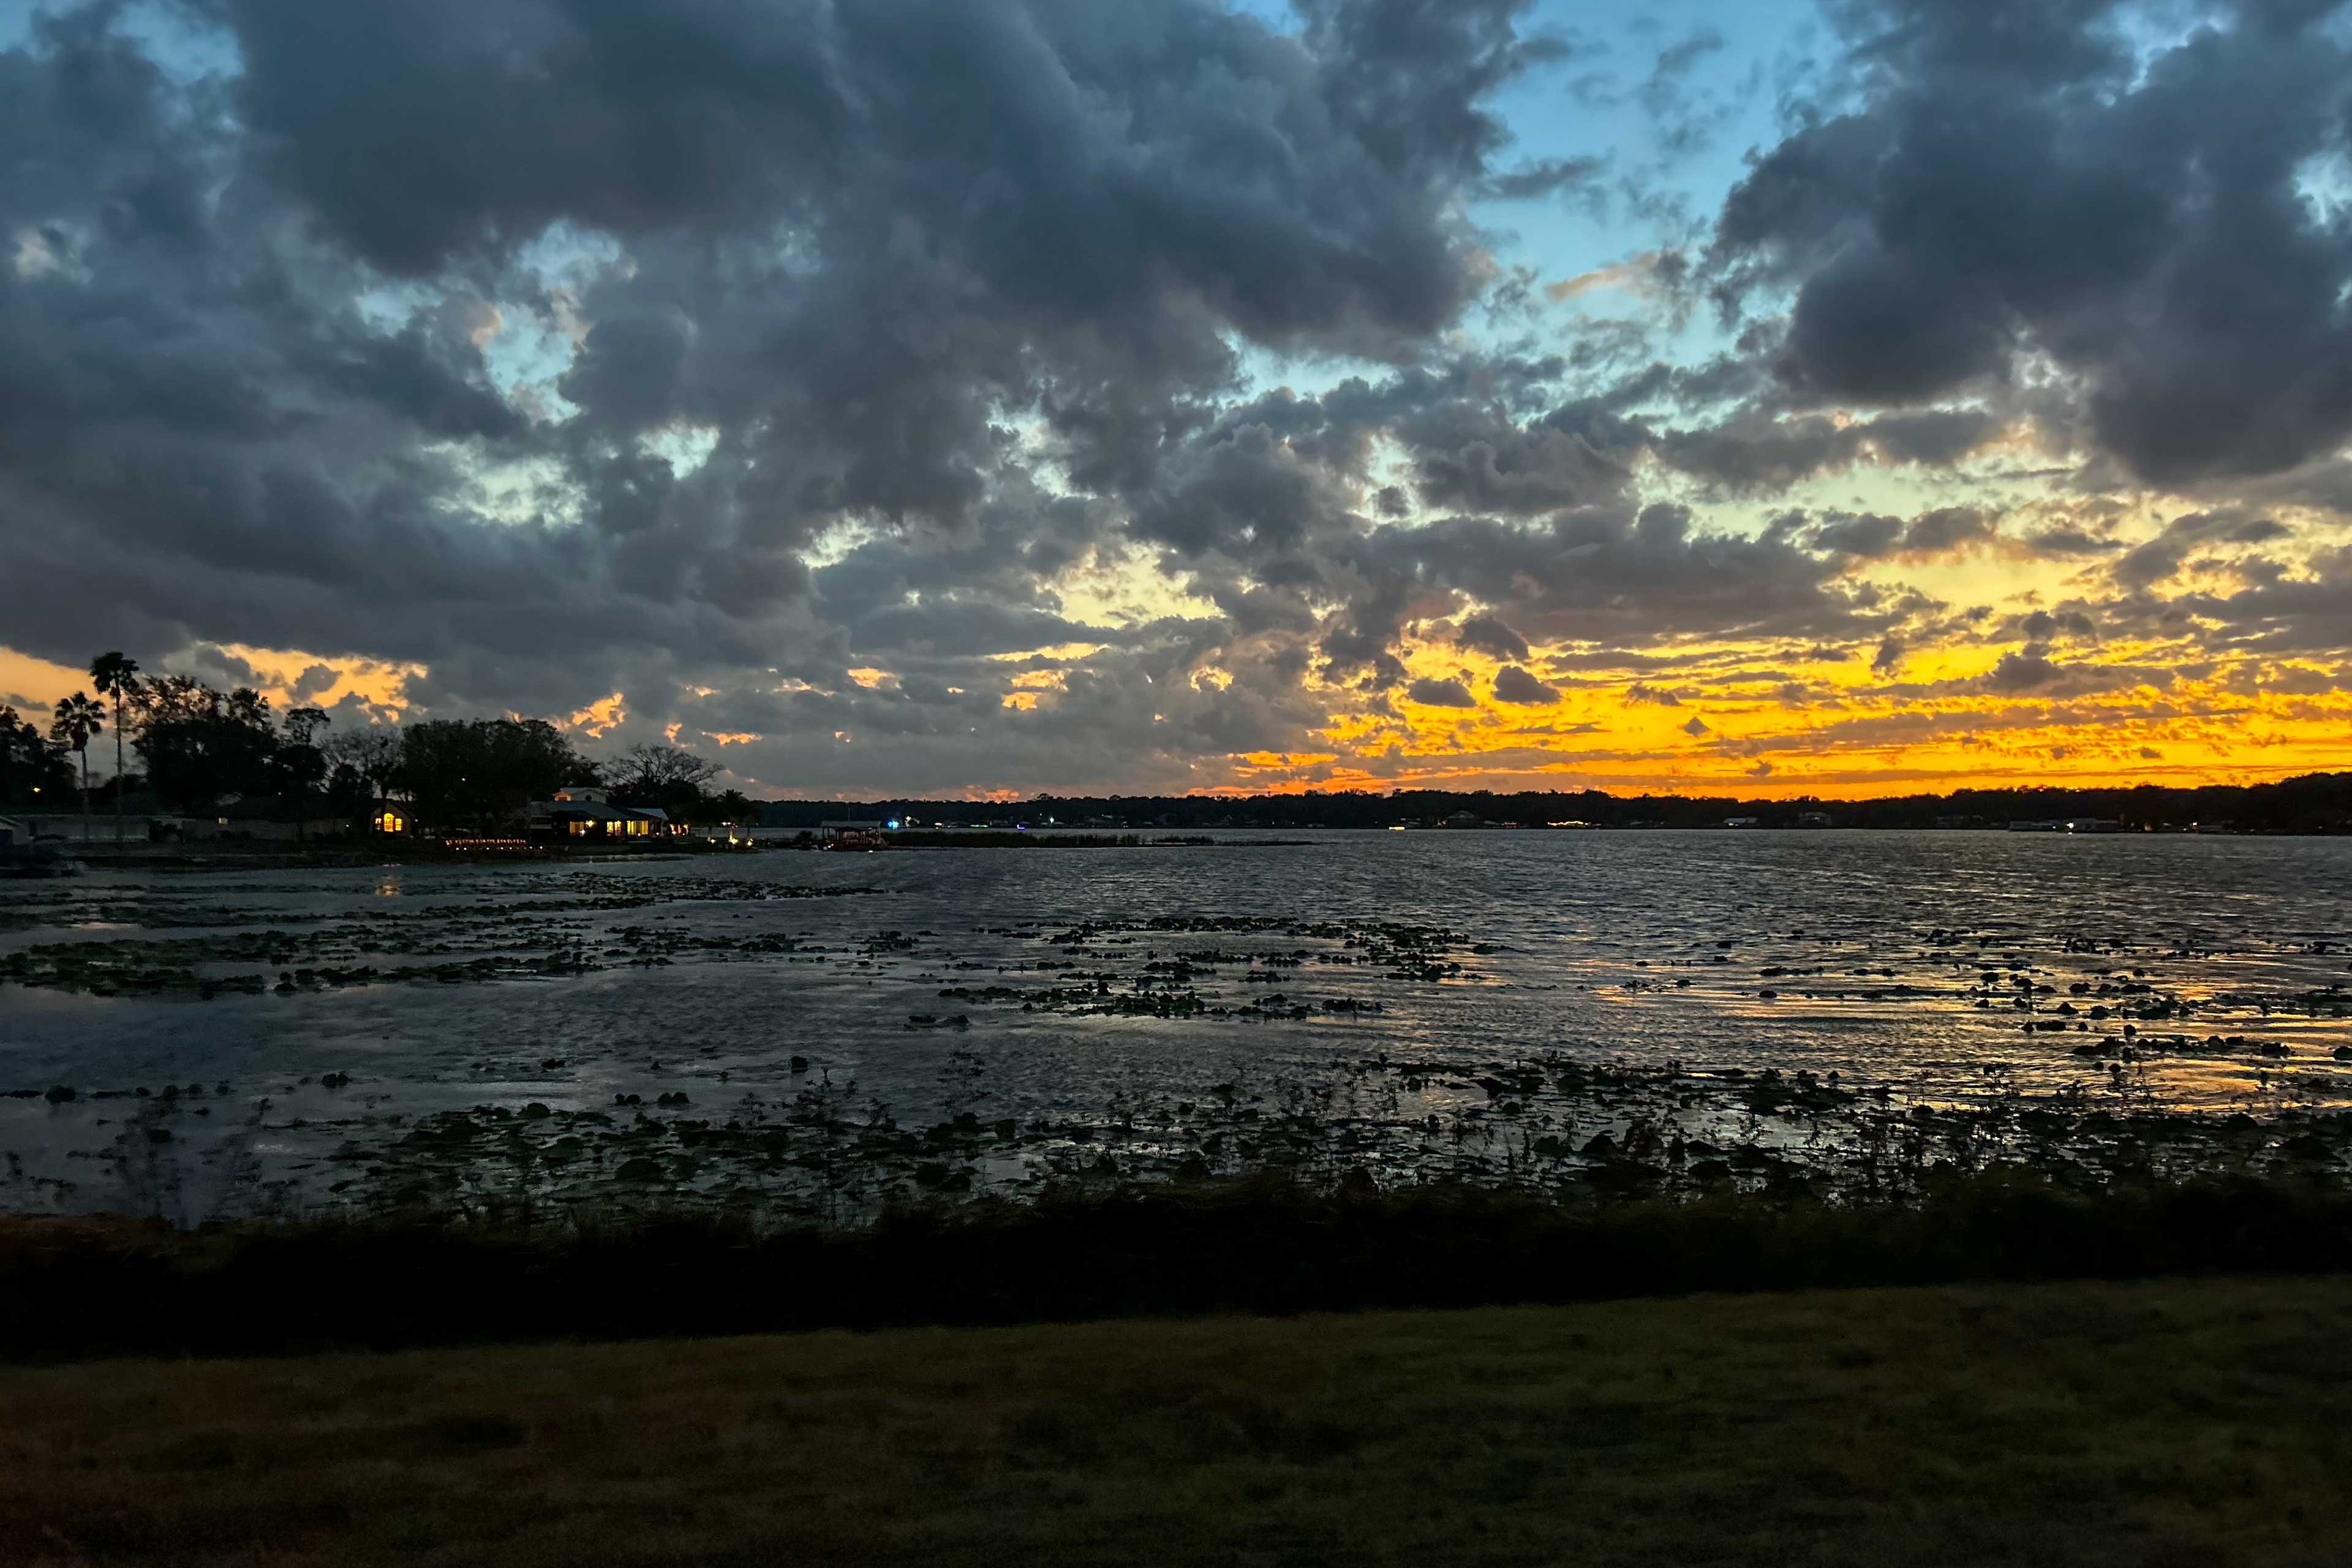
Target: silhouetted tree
(301, 762)
(669, 777)
(483, 772)
(117, 677)
(201, 745)
(28, 764)
(300, 765)
(371, 756)
(303, 725)
(77, 721)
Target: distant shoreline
(217, 856)
(2307, 803)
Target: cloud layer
(987, 395)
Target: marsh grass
(2148, 1424)
(83, 1288)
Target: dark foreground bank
(2149, 1424)
(73, 1288)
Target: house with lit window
(588, 813)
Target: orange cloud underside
(1726, 720)
(36, 682)
(322, 680)
(1717, 719)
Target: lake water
(1417, 1002)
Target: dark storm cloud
(1865, 534)
(1475, 459)
(1604, 574)
(2063, 538)
(2042, 626)
(438, 127)
(1486, 435)
(1441, 694)
(2308, 613)
(1075, 160)
(626, 375)
(245, 393)
(1761, 450)
(2035, 670)
(2158, 558)
(1935, 436)
(1537, 518)
(1750, 453)
(2029, 669)
(1491, 636)
(2014, 178)
(1515, 685)
(1246, 494)
(1946, 529)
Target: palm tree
(79, 719)
(116, 677)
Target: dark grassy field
(2146, 1424)
(78, 1288)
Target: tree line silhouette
(199, 748)
(2311, 803)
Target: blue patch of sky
(1672, 97)
(1672, 93)
(183, 45)
(16, 21)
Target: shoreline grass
(2153, 1425)
(77, 1288)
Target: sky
(989, 397)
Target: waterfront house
(588, 812)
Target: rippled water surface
(316, 1027)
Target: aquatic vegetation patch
(523, 938)
(1574, 1131)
